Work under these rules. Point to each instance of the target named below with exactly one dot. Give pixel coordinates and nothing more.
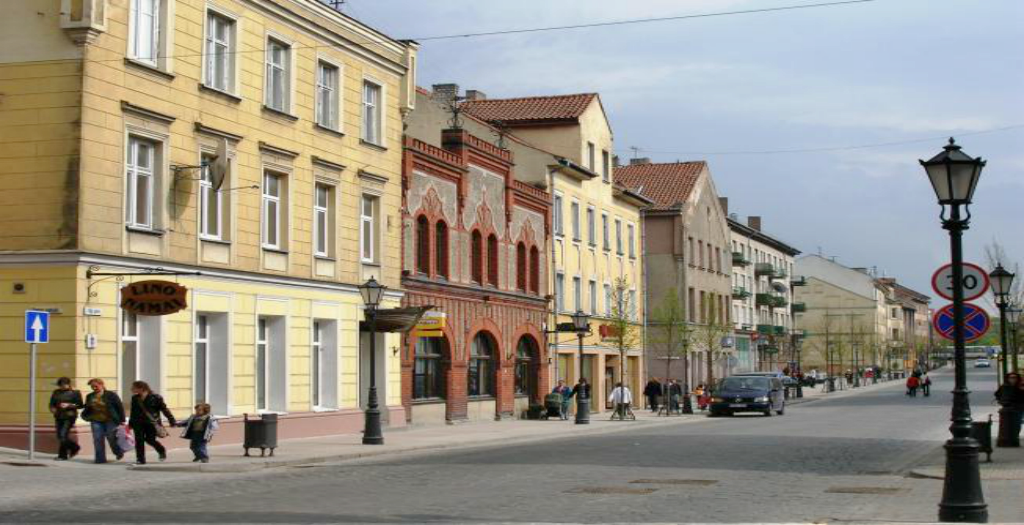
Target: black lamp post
(1002, 280)
(372, 292)
(1014, 313)
(581, 323)
(954, 176)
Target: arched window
(492, 260)
(526, 367)
(480, 375)
(534, 270)
(422, 245)
(477, 257)
(521, 269)
(441, 249)
(428, 370)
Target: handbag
(161, 432)
(125, 439)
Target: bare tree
(625, 332)
(671, 334)
(708, 338)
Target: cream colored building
(112, 113)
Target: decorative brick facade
(474, 248)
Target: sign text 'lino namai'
(154, 297)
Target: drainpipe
(552, 346)
(643, 278)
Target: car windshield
(744, 383)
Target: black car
(747, 394)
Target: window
(423, 245)
(700, 252)
(534, 269)
(618, 236)
(591, 227)
(278, 89)
(372, 120)
(322, 220)
(574, 210)
(262, 344)
(210, 204)
(428, 373)
(604, 231)
(559, 292)
(593, 296)
(144, 44)
(492, 260)
(441, 249)
(141, 174)
(526, 378)
(608, 300)
(480, 374)
(477, 257)
(129, 351)
(272, 210)
(521, 268)
(577, 293)
(693, 251)
(591, 160)
(200, 359)
(703, 307)
(632, 240)
(316, 363)
(368, 229)
(327, 95)
(557, 215)
(220, 52)
(606, 165)
(691, 305)
(632, 305)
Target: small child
(199, 430)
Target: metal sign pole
(32, 402)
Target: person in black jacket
(64, 405)
(145, 421)
(104, 412)
(652, 391)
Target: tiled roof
(665, 184)
(530, 109)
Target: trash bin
(982, 432)
(261, 433)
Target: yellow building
(595, 246)
(250, 150)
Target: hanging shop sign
(430, 324)
(154, 298)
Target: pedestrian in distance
(912, 383)
(65, 403)
(701, 394)
(581, 390)
(566, 393)
(145, 421)
(926, 385)
(105, 413)
(1010, 395)
(199, 430)
(652, 391)
(621, 398)
(675, 394)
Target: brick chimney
(639, 160)
(754, 221)
(724, 201)
(473, 94)
(445, 92)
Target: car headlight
(716, 400)
(762, 399)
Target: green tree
(670, 333)
(625, 332)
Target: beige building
(913, 343)
(249, 150)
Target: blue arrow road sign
(37, 327)
(976, 322)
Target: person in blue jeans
(199, 430)
(105, 413)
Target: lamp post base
(962, 499)
(372, 433)
(582, 411)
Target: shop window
(428, 369)
(480, 374)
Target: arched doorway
(527, 368)
(482, 366)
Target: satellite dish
(218, 168)
(779, 287)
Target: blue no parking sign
(37, 326)
(976, 322)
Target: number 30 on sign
(975, 281)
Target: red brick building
(474, 243)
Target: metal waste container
(982, 432)
(261, 433)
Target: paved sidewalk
(1007, 465)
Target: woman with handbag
(145, 421)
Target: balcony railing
(765, 329)
(779, 302)
(779, 274)
(739, 292)
(739, 260)
(780, 330)
(764, 299)
(764, 269)
(799, 308)
(798, 281)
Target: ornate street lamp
(581, 323)
(1002, 281)
(372, 292)
(954, 176)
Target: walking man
(64, 404)
(621, 398)
(652, 391)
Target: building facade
(144, 138)
(475, 250)
(762, 298)
(687, 261)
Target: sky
(718, 88)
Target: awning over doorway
(396, 319)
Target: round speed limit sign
(975, 281)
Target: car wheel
(768, 413)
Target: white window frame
(606, 165)
(608, 300)
(227, 81)
(135, 36)
(277, 201)
(208, 194)
(631, 239)
(556, 215)
(591, 226)
(285, 69)
(559, 292)
(368, 221)
(322, 219)
(618, 236)
(328, 93)
(316, 364)
(124, 383)
(202, 339)
(592, 288)
(577, 292)
(372, 128)
(262, 402)
(133, 173)
(574, 210)
(606, 233)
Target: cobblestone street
(838, 459)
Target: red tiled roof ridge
(667, 184)
(534, 108)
